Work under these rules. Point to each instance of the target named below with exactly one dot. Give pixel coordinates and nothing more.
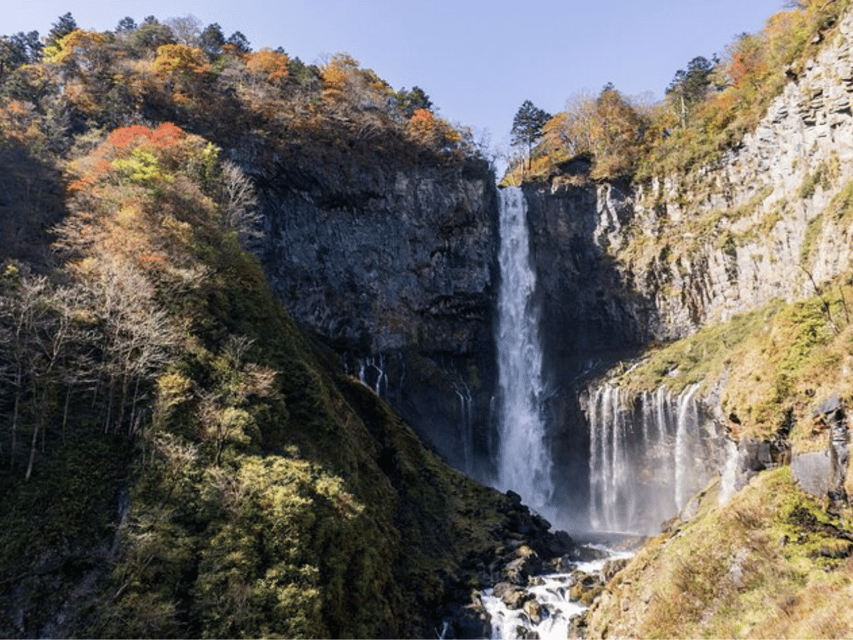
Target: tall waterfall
(524, 463)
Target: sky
(478, 60)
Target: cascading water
(645, 457)
(467, 423)
(524, 464)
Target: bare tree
(239, 203)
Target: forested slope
(177, 457)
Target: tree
(239, 42)
(150, 35)
(17, 50)
(187, 29)
(126, 25)
(527, 126)
(690, 87)
(212, 40)
(61, 28)
(410, 101)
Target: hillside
(178, 458)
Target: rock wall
(762, 222)
(396, 268)
(622, 265)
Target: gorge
(279, 357)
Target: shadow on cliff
(31, 203)
(591, 315)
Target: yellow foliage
(77, 43)
(424, 128)
(179, 58)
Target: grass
(771, 367)
(761, 566)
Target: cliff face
(396, 267)
(770, 219)
(762, 222)
(624, 265)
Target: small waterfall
(371, 372)
(610, 472)
(728, 485)
(467, 423)
(686, 434)
(645, 457)
(524, 463)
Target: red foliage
(163, 137)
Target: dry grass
(753, 568)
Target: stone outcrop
(823, 473)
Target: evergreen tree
(61, 28)
(527, 126)
(239, 42)
(410, 101)
(212, 39)
(689, 87)
(126, 25)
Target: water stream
(524, 463)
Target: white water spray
(524, 464)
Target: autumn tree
(527, 126)
(431, 131)
(272, 66)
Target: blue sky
(478, 60)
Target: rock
(471, 621)
(501, 588)
(813, 472)
(582, 553)
(612, 567)
(514, 598)
(534, 611)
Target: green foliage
(410, 101)
(527, 125)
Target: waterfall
(524, 463)
(685, 435)
(645, 457)
(467, 422)
(373, 368)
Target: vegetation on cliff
(177, 458)
(707, 108)
(772, 563)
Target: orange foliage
(119, 144)
(164, 136)
(271, 65)
(426, 129)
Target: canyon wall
(396, 268)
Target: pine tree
(527, 126)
